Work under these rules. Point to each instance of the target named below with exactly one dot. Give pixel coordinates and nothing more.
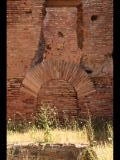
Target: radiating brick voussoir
(55, 69)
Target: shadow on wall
(40, 51)
(41, 46)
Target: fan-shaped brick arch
(58, 70)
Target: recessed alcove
(68, 22)
(59, 93)
(62, 33)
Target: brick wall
(60, 34)
(23, 32)
(82, 34)
(24, 26)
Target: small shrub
(99, 130)
(46, 119)
(102, 129)
(89, 154)
(46, 116)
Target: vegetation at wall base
(89, 154)
(47, 127)
(99, 130)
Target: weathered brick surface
(99, 103)
(82, 34)
(46, 152)
(19, 104)
(24, 26)
(60, 34)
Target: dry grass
(104, 152)
(58, 136)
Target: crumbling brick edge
(45, 151)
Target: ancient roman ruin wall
(81, 34)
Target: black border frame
(116, 79)
(3, 18)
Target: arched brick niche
(59, 82)
(79, 15)
(61, 94)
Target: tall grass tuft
(89, 154)
(103, 130)
(90, 130)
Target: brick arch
(57, 70)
